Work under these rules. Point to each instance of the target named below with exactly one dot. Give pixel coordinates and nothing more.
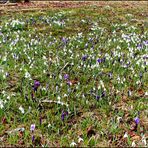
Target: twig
(57, 102)
(64, 67)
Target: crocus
(69, 82)
(103, 94)
(84, 57)
(99, 60)
(33, 137)
(139, 46)
(64, 40)
(66, 76)
(63, 115)
(140, 75)
(97, 97)
(32, 127)
(137, 120)
(145, 42)
(36, 85)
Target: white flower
(21, 109)
(144, 140)
(80, 139)
(129, 93)
(3, 92)
(4, 58)
(43, 88)
(4, 76)
(65, 95)
(60, 77)
(133, 144)
(119, 119)
(8, 97)
(1, 104)
(73, 144)
(59, 98)
(32, 127)
(146, 93)
(27, 75)
(125, 135)
(49, 125)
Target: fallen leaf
(136, 138)
(140, 92)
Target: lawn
(74, 77)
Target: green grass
(33, 50)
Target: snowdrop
(21, 109)
(119, 119)
(49, 125)
(27, 74)
(73, 144)
(125, 135)
(80, 139)
(146, 93)
(59, 98)
(133, 144)
(144, 140)
(1, 104)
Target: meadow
(74, 77)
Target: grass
(103, 51)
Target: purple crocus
(139, 46)
(69, 83)
(140, 75)
(97, 97)
(66, 77)
(103, 59)
(36, 85)
(84, 57)
(64, 40)
(145, 42)
(137, 120)
(103, 94)
(64, 113)
(32, 127)
(99, 60)
(33, 137)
